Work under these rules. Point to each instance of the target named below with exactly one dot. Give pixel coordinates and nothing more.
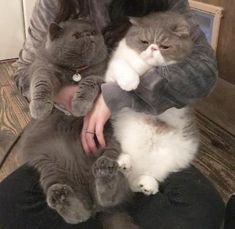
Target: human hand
(65, 96)
(93, 126)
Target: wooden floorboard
(216, 158)
(13, 110)
(11, 163)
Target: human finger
(99, 131)
(83, 135)
(90, 136)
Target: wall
(220, 105)
(226, 48)
(11, 28)
(14, 19)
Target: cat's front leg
(42, 89)
(125, 76)
(145, 184)
(88, 91)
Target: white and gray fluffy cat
(153, 146)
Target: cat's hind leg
(63, 199)
(145, 184)
(62, 193)
(110, 184)
(124, 162)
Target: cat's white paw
(129, 82)
(124, 163)
(147, 185)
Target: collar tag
(77, 77)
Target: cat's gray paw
(59, 196)
(104, 167)
(62, 198)
(80, 107)
(40, 109)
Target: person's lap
(186, 201)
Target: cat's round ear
(135, 21)
(181, 30)
(55, 31)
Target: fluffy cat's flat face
(75, 43)
(160, 38)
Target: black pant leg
(23, 205)
(186, 200)
(229, 222)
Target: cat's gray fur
(68, 47)
(76, 185)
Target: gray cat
(77, 186)
(73, 51)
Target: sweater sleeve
(176, 85)
(178, 5)
(43, 14)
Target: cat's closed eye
(164, 47)
(145, 42)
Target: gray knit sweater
(179, 85)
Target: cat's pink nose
(154, 48)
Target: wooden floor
(216, 158)
(14, 117)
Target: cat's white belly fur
(154, 150)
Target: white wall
(14, 18)
(11, 28)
